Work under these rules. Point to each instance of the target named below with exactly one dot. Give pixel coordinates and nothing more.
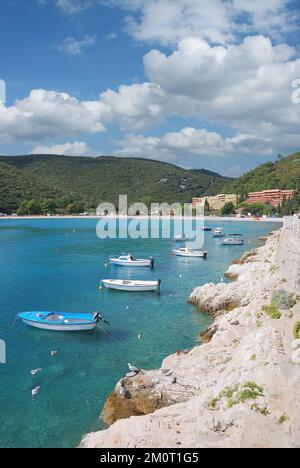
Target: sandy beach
(206, 218)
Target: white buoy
(35, 391)
(140, 336)
(35, 372)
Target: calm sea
(57, 265)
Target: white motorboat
(180, 238)
(219, 232)
(233, 239)
(130, 261)
(185, 252)
(132, 285)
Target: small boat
(180, 238)
(61, 321)
(219, 232)
(185, 252)
(132, 285)
(233, 239)
(206, 228)
(130, 261)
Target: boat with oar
(132, 285)
(186, 252)
(130, 261)
(62, 321)
(219, 232)
(233, 239)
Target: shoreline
(148, 218)
(199, 397)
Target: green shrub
(296, 331)
(272, 311)
(238, 394)
(284, 299)
(260, 409)
(284, 418)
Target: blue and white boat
(130, 261)
(63, 321)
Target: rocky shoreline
(240, 387)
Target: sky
(197, 83)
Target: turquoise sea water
(34, 275)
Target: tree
(228, 209)
(29, 207)
(206, 207)
(48, 205)
(75, 208)
(63, 202)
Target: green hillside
(283, 174)
(16, 186)
(90, 181)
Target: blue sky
(192, 82)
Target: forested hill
(90, 181)
(282, 174)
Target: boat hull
(150, 287)
(62, 328)
(65, 322)
(134, 264)
(189, 254)
(232, 243)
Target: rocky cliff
(238, 389)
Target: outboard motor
(205, 255)
(152, 261)
(159, 285)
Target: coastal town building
(270, 197)
(217, 202)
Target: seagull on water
(35, 391)
(133, 368)
(54, 353)
(35, 372)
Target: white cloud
(76, 46)
(219, 21)
(246, 86)
(47, 114)
(112, 36)
(77, 148)
(135, 107)
(269, 16)
(73, 6)
(192, 142)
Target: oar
(104, 331)
(16, 318)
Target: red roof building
(270, 197)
